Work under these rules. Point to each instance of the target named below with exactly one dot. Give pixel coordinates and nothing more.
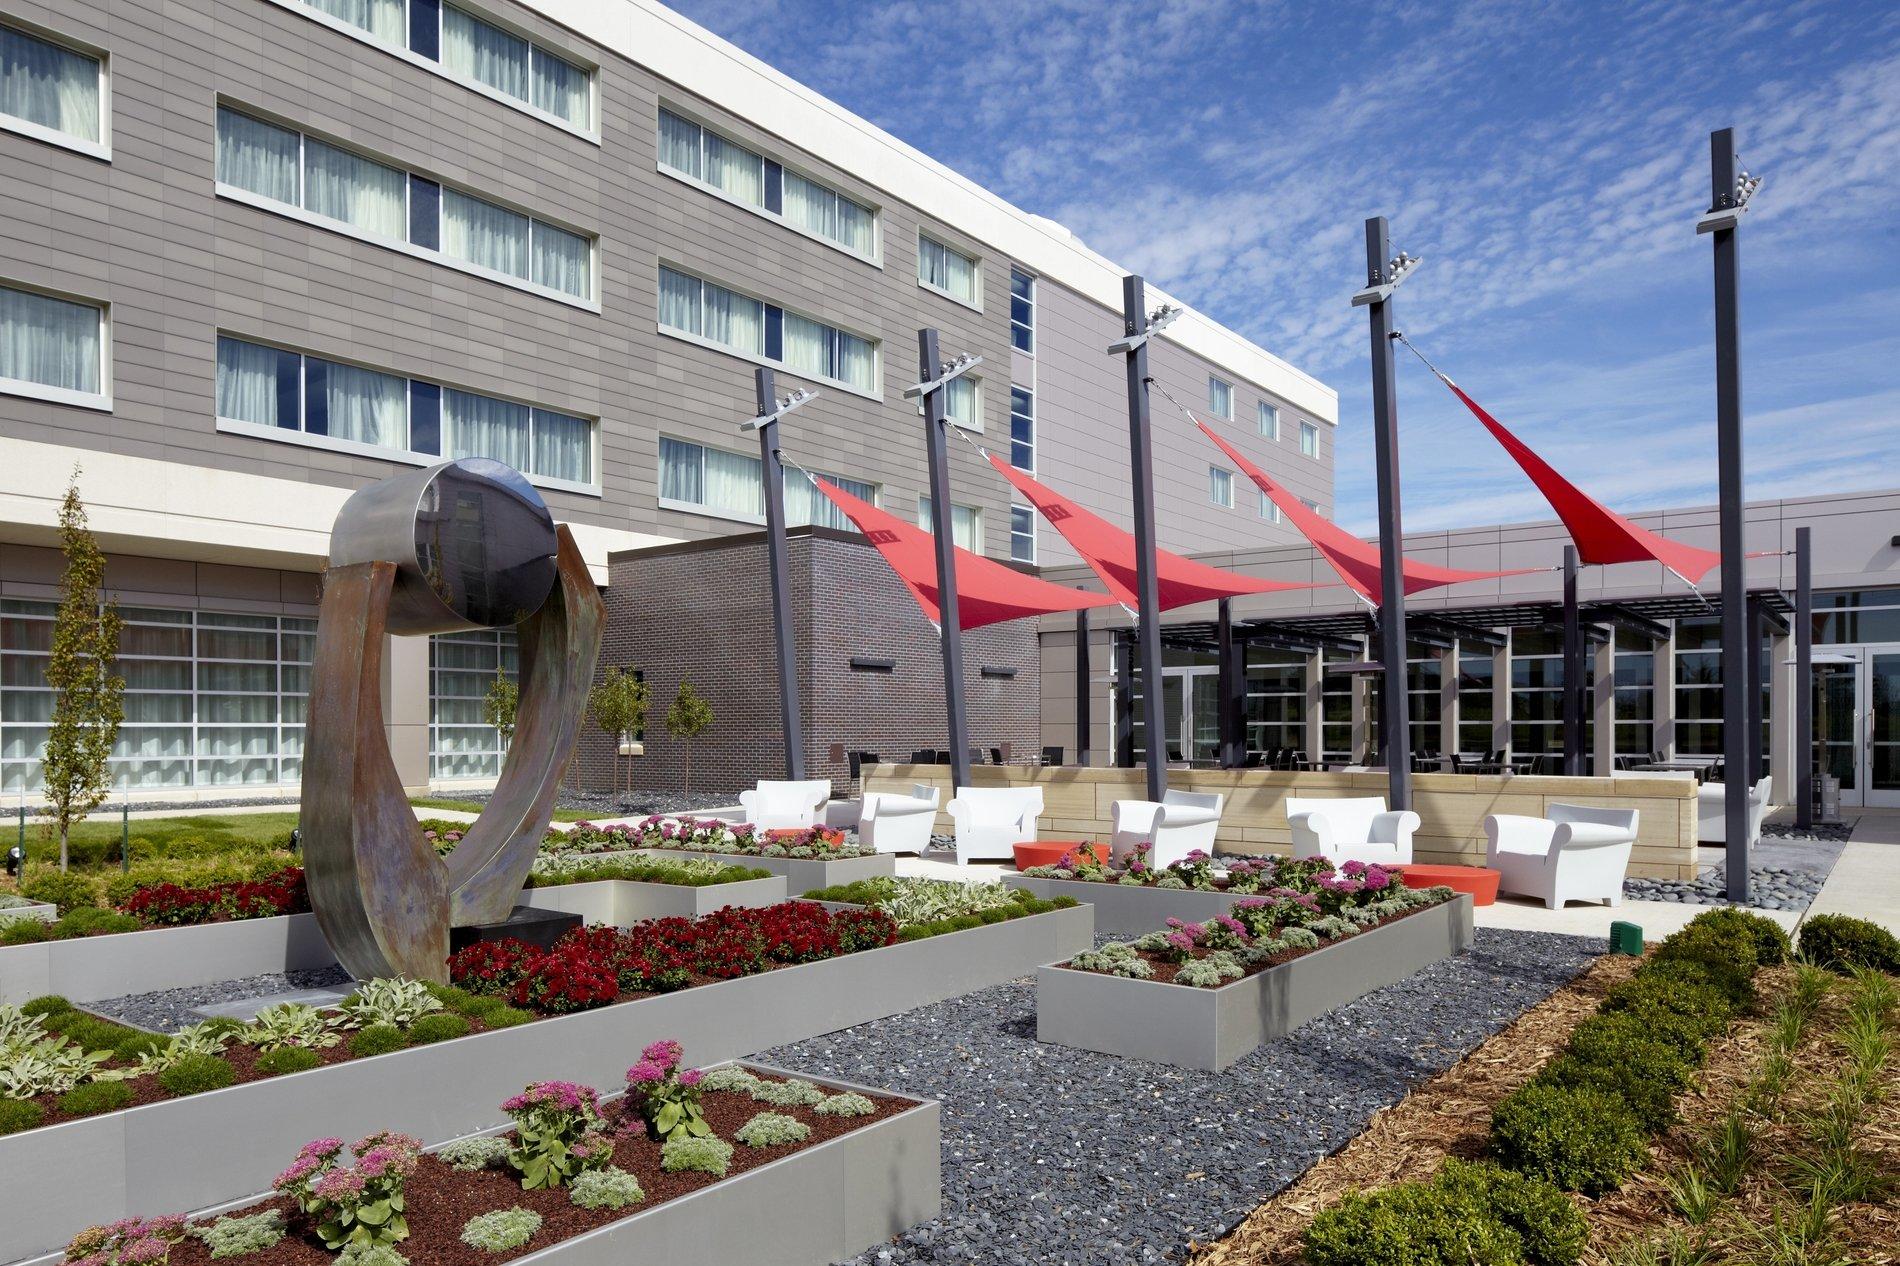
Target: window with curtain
(951, 271)
(747, 176)
(711, 312)
(563, 447)
(681, 142)
(259, 157)
(1269, 420)
(484, 234)
(51, 342)
(1022, 534)
(1220, 397)
(966, 524)
(1022, 311)
(805, 504)
(829, 214)
(1220, 487)
(562, 89)
(1309, 440)
(733, 484)
(485, 53)
(563, 261)
(482, 426)
(821, 351)
(1022, 429)
(366, 406)
(356, 190)
(734, 170)
(1269, 510)
(385, 19)
(962, 403)
(704, 309)
(50, 85)
(247, 384)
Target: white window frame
(356, 448)
(1220, 486)
(1270, 509)
(976, 270)
(876, 391)
(1312, 505)
(101, 400)
(875, 259)
(924, 521)
(1309, 440)
(403, 246)
(1015, 536)
(1223, 407)
(100, 149)
(1034, 310)
(976, 401)
(1269, 417)
(712, 512)
(402, 52)
(1034, 439)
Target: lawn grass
(476, 806)
(95, 842)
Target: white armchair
(894, 823)
(1349, 829)
(1712, 811)
(1576, 854)
(1179, 823)
(992, 821)
(785, 806)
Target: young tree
(619, 706)
(88, 696)
(688, 718)
(501, 703)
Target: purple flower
(142, 1251)
(666, 1053)
(690, 1078)
(645, 1073)
(338, 1184)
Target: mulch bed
(441, 1200)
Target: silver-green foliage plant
(1117, 958)
(728, 1077)
(389, 1000)
(501, 1230)
(1208, 973)
(608, 1188)
(361, 1253)
(797, 1092)
(470, 1155)
(207, 1037)
(236, 1237)
(35, 1062)
(848, 1104)
(1300, 938)
(1332, 928)
(772, 1129)
(915, 901)
(290, 1024)
(577, 867)
(706, 1156)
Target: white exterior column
(1315, 710)
(1448, 705)
(1664, 704)
(1783, 760)
(405, 692)
(1603, 707)
(1501, 699)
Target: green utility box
(1625, 938)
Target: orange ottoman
(1480, 881)
(1049, 852)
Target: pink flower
(690, 1078)
(142, 1251)
(338, 1184)
(666, 1052)
(645, 1073)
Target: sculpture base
(525, 923)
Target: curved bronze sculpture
(465, 544)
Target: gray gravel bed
(1769, 888)
(170, 1010)
(1053, 1155)
(1789, 831)
(621, 804)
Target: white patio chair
(1578, 853)
(1712, 811)
(1346, 829)
(991, 821)
(891, 822)
(1179, 823)
(783, 805)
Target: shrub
(92, 921)
(359, 1253)
(1580, 1139)
(281, 892)
(288, 1059)
(139, 1045)
(1553, 1230)
(1772, 946)
(470, 1155)
(478, 1006)
(608, 1188)
(707, 1155)
(360, 1205)
(506, 1017)
(439, 1027)
(235, 1237)
(95, 1097)
(388, 1001)
(25, 932)
(1723, 955)
(793, 1093)
(45, 1004)
(19, 1114)
(848, 1104)
(1675, 989)
(450, 996)
(1411, 1223)
(727, 1077)
(771, 1129)
(290, 1024)
(1651, 1102)
(559, 1133)
(666, 1095)
(501, 1230)
(1842, 943)
(195, 1074)
(377, 1039)
(1668, 1045)
(67, 889)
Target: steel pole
(1757, 626)
(1147, 586)
(1083, 721)
(1394, 707)
(950, 629)
(1227, 713)
(1124, 701)
(1573, 669)
(1804, 764)
(791, 722)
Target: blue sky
(1547, 161)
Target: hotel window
(1220, 397)
(1276, 699)
(948, 271)
(1022, 534)
(1335, 699)
(1424, 670)
(462, 669)
(51, 92)
(1022, 311)
(700, 154)
(1475, 672)
(963, 403)
(1537, 693)
(711, 313)
(1312, 505)
(1022, 429)
(52, 348)
(1220, 486)
(1269, 420)
(966, 524)
(282, 165)
(1699, 686)
(1309, 440)
(290, 392)
(732, 485)
(1269, 510)
(1635, 694)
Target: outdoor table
(1480, 881)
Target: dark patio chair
(1052, 755)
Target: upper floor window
(1022, 311)
(948, 271)
(1220, 486)
(52, 348)
(1022, 429)
(1309, 440)
(966, 523)
(51, 92)
(1312, 505)
(1220, 397)
(698, 153)
(707, 311)
(732, 485)
(1269, 420)
(1269, 510)
(1022, 534)
(342, 188)
(288, 391)
(963, 403)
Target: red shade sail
(987, 591)
(1110, 552)
(1356, 561)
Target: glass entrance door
(1881, 703)
(1837, 725)
(1857, 724)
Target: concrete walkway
(1865, 884)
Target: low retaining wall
(180, 1155)
(35, 910)
(1126, 910)
(623, 902)
(1452, 807)
(802, 874)
(1209, 1029)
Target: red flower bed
(593, 966)
(174, 905)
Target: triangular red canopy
(1110, 552)
(1356, 561)
(1601, 534)
(987, 591)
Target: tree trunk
(64, 830)
(686, 758)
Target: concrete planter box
(62, 1178)
(31, 910)
(802, 875)
(1125, 910)
(623, 902)
(1209, 1029)
(812, 1208)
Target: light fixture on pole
(773, 407)
(1397, 269)
(1158, 320)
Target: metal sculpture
(462, 545)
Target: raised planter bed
(1124, 909)
(62, 1178)
(1209, 1029)
(30, 910)
(802, 874)
(622, 902)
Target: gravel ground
(1789, 831)
(1053, 1155)
(169, 1010)
(626, 804)
(1770, 888)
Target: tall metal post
(929, 368)
(1394, 707)
(1757, 628)
(1736, 741)
(1141, 471)
(1573, 669)
(1803, 693)
(1230, 684)
(1084, 722)
(791, 722)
